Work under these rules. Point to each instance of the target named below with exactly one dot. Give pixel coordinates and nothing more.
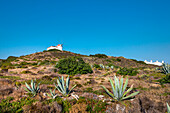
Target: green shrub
(11, 77)
(73, 65)
(165, 79)
(26, 72)
(99, 55)
(11, 58)
(6, 106)
(126, 71)
(45, 62)
(96, 66)
(53, 50)
(118, 59)
(6, 65)
(140, 62)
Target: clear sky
(137, 29)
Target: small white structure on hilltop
(154, 63)
(59, 47)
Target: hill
(15, 71)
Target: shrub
(6, 65)
(140, 62)
(126, 71)
(6, 106)
(165, 79)
(118, 59)
(73, 65)
(26, 72)
(53, 50)
(45, 62)
(99, 55)
(96, 66)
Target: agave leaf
(113, 87)
(27, 90)
(49, 95)
(63, 84)
(60, 86)
(38, 86)
(67, 83)
(51, 92)
(32, 84)
(131, 95)
(59, 90)
(116, 88)
(125, 85)
(168, 108)
(28, 87)
(108, 92)
(72, 88)
(121, 86)
(128, 90)
(54, 91)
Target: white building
(154, 63)
(59, 47)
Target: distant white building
(59, 47)
(154, 63)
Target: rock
(120, 108)
(4, 70)
(90, 95)
(79, 108)
(54, 75)
(56, 108)
(78, 75)
(6, 91)
(5, 82)
(97, 72)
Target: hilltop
(15, 71)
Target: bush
(73, 65)
(99, 55)
(140, 62)
(165, 79)
(126, 71)
(53, 50)
(9, 106)
(118, 59)
(96, 66)
(44, 62)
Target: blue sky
(137, 29)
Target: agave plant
(166, 68)
(118, 89)
(33, 89)
(168, 108)
(52, 94)
(62, 87)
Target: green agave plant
(118, 89)
(52, 94)
(166, 68)
(33, 89)
(168, 108)
(62, 87)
